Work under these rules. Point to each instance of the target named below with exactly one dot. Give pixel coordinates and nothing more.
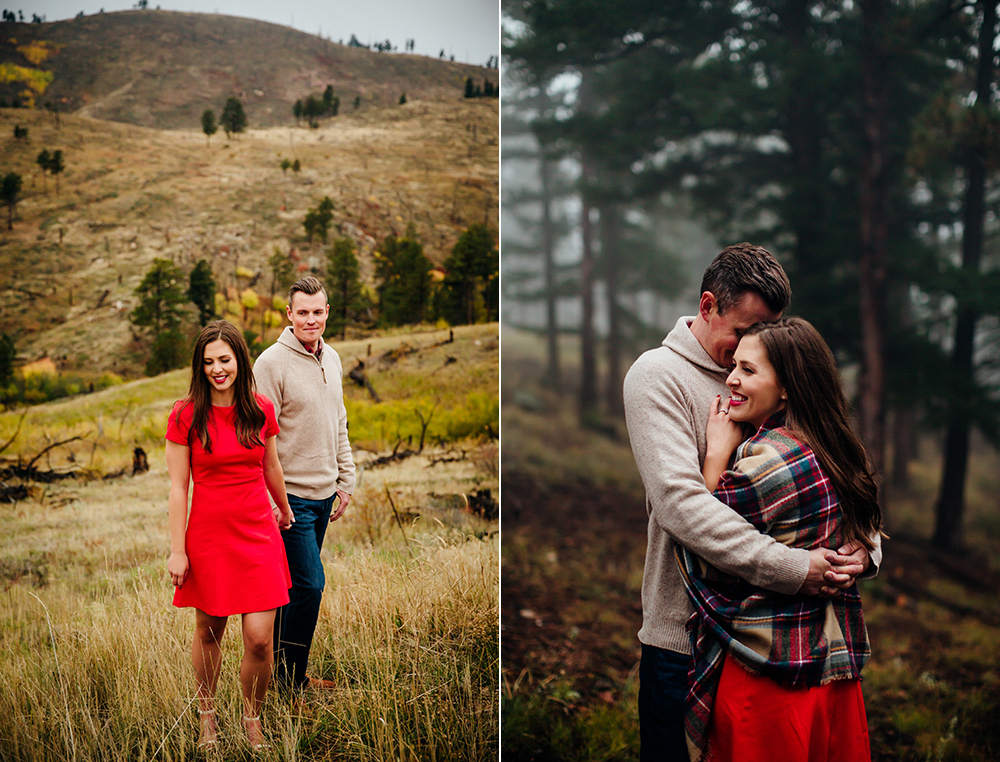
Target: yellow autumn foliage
(38, 51)
(36, 79)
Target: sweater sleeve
(665, 446)
(268, 380)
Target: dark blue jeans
(663, 677)
(295, 623)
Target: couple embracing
(762, 513)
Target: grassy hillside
(129, 194)
(162, 68)
(97, 663)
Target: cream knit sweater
(308, 397)
(667, 395)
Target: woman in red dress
(227, 557)
(777, 677)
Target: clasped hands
(831, 571)
(286, 518)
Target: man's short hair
(743, 268)
(309, 286)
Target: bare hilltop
(161, 69)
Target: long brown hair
(818, 414)
(248, 417)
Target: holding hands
(284, 517)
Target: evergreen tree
(10, 187)
(57, 165)
(297, 109)
(314, 108)
(201, 291)
(159, 313)
(280, 266)
(470, 88)
(285, 166)
(43, 160)
(317, 221)
(330, 101)
(402, 99)
(403, 273)
(473, 262)
(234, 118)
(208, 125)
(8, 353)
(344, 286)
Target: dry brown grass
(130, 194)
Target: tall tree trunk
(588, 353)
(588, 356)
(611, 234)
(552, 370)
(951, 499)
(874, 232)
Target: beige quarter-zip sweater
(308, 397)
(668, 391)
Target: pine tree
(344, 285)
(57, 165)
(314, 108)
(404, 280)
(208, 125)
(8, 353)
(201, 291)
(43, 160)
(317, 221)
(10, 187)
(469, 268)
(234, 118)
(159, 313)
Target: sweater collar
(682, 341)
(288, 338)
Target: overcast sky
(469, 30)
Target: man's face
(308, 313)
(725, 330)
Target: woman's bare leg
(255, 670)
(206, 656)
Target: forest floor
(574, 538)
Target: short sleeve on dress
(271, 428)
(179, 423)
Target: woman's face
(219, 366)
(755, 394)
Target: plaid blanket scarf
(779, 487)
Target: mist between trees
(856, 141)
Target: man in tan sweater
(303, 377)
(668, 391)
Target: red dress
(236, 554)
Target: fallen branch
(31, 463)
(394, 457)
